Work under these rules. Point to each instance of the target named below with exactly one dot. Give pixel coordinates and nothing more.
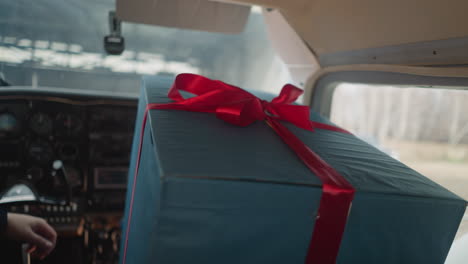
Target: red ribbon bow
(241, 108)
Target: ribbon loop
(298, 115)
(288, 95)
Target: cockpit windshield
(56, 43)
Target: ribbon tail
(335, 203)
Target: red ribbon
(241, 108)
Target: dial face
(68, 124)
(41, 152)
(8, 123)
(41, 123)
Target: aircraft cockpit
(392, 76)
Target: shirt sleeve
(3, 220)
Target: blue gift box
(209, 192)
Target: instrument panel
(92, 137)
(69, 150)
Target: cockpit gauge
(40, 152)
(8, 123)
(41, 123)
(68, 124)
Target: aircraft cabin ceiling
(343, 32)
(198, 15)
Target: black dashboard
(90, 135)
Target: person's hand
(33, 230)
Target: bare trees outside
(403, 113)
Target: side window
(425, 128)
